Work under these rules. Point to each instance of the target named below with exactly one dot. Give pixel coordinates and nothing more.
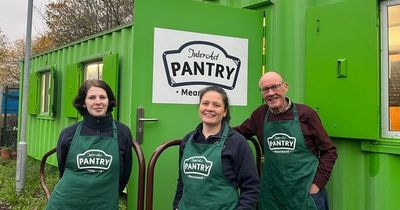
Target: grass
(33, 197)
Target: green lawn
(33, 198)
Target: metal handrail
(141, 177)
(164, 146)
(150, 170)
(41, 172)
(258, 154)
(142, 174)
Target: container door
(181, 46)
(342, 69)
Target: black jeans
(321, 199)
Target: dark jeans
(321, 199)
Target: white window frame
(386, 133)
(99, 65)
(45, 93)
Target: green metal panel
(360, 180)
(238, 4)
(33, 101)
(111, 76)
(42, 133)
(363, 180)
(52, 101)
(285, 34)
(342, 70)
(72, 81)
(175, 120)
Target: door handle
(140, 123)
(342, 68)
(148, 119)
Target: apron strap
(115, 130)
(78, 129)
(224, 134)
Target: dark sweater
(102, 126)
(315, 136)
(237, 163)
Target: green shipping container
(328, 50)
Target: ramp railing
(150, 170)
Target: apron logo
(201, 63)
(281, 143)
(197, 167)
(94, 160)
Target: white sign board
(185, 62)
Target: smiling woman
(210, 156)
(96, 102)
(102, 147)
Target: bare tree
(42, 43)
(70, 20)
(12, 55)
(9, 68)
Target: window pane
(101, 71)
(93, 71)
(394, 67)
(45, 92)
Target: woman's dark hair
(224, 96)
(79, 100)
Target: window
(93, 71)
(76, 73)
(45, 81)
(41, 94)
(390, 43)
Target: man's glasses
(274, 88)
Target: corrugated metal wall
(363, 179)
(42, 133)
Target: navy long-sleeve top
(99, 126)
(237, 163)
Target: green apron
(91, 176)
(204, 184)
(289, 166)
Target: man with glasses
(298, 154)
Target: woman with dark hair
(216, 166)
(94, 156)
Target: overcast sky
(13, 18)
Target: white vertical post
(21, 150)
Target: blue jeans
(321, 199)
